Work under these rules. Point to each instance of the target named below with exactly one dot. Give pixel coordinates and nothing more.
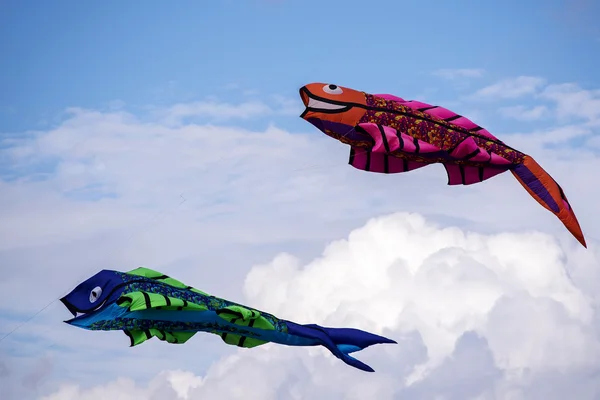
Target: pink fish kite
(390, 135)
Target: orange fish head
(332, 109)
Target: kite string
(38, 312)
(86, 273)
(27, 320)
(153, 218)
(51, 302)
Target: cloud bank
(511, 88)
(476, 316)
(483, 315)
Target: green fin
(177, 337)
(159, 276)
(230, 313)
(243, 316)
(139, 301)
(138, 336)
(241, 341)
(145, 272)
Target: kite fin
(546, 191)
(232, 313)
(241, 340)
(370, 161)
(468, 175)
(469, 151)
(387, 139)
(243, 317)
(340, 341)
(140, 301)
(138, 336)
(160, 277)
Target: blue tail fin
(340, 341)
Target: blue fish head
(94, 294)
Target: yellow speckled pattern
(430, 129)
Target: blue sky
(69, 53)
(111, 111)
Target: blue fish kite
(144, 303)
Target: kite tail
(544, 189)
(340, 341)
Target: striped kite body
(390, 135)
(144, 304)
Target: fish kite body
(388, 134)
(144, 303)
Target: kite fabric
(144, 303)
(388, 134)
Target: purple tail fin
(340, 341)
(544, 189)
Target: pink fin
(389, 140)
(449, 116)
(413, 145)
(386, 139)
(499, 160)
(468, 175)
(367, 160)
(469, 150)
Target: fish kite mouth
(315, 103)
(77, 313)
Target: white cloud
(511, 88)
(167, 385)
(573, 101)
(537, 140)
(523, 113)
(217, 110)
(289, 106)
(458, 73)
(475, 316)
(569, 100)
(251, 193)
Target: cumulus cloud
(107, 190)
(574, 102)
(167, 385)
(219, 111)
(511, 88)
(475, 316)
(458, 73)
(288, 106)
(523, 113)
(216, 110)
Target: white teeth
(317, 104)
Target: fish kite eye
(332, 89)
(95, 294)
